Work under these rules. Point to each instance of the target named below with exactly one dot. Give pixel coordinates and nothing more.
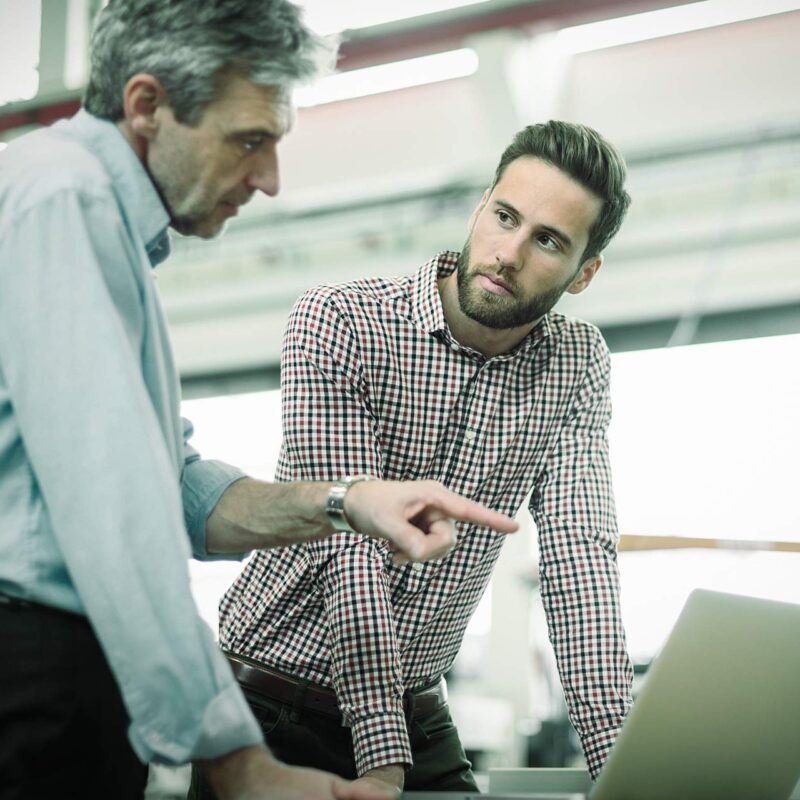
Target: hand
(416, 516)
(253, 774)
(390, 777)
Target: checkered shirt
(373, 382)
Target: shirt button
(470, 434)
(454, 347)
(417, 566)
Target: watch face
(334, 505)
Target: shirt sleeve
(70, 312)
(203, 482)
(329, 431)
(573, 507)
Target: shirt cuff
(227, 724)
(202, 485)
(380, 740)
(596, 747)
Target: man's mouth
(235, 202)
(494, 284)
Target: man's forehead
(529, 179)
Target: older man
(104, 662)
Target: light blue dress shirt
(93, 452)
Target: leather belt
(284, 688)
(11, 603)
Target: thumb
(416, 545)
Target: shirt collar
(426, 305)
(137, 195)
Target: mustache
(494, 274)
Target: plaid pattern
(373, 382)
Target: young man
(462, 373)
(104, 662)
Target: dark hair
(188, 45)
(587, 157)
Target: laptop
(718, 717)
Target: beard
(497, 311)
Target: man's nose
(511, 252)
(265, 176)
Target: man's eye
(548, 242)
(504, 218)
(251, 145)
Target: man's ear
(584, 277)
(473, 218)
(142, 97)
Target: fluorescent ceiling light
(666, 22)
(325, 16)
(389, 77)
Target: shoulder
(581, 349)
(353, 300)
(577, 337)
(44, 166)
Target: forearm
(587, 635)
(416, 516)
(255, 515)
(365, 661)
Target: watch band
(334, 505)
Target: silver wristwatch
(334, 505)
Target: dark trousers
(310, 739)
(63, 727)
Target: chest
(476, 425)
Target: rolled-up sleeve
(70, 352)
(204, 481)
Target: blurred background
(699, 297)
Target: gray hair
(190, 45)
(588, 158)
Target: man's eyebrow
(246, 133)
(555, 232)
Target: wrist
(337, 505)
(395, 746)
(238, 768)
(393, 774)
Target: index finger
(465, 510)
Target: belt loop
(298, 701)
